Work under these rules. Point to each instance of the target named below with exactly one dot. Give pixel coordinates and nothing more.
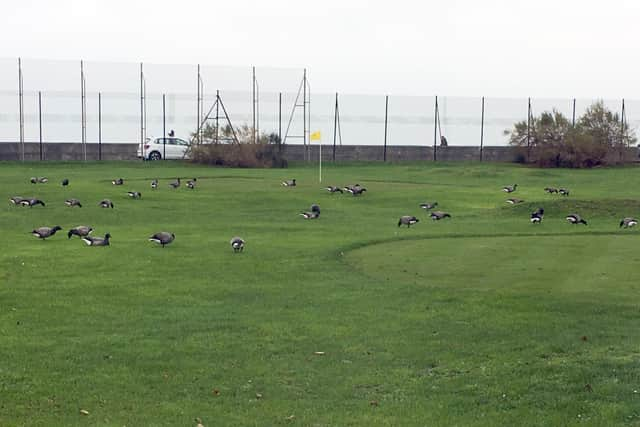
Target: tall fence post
(253, 103)
(435, 129)
(623, 117)
(573, 115)
(99, 125)
(21, 108)
(335, 128)
(198, 112)
(142, 95)
(280, 118)
(40, 120)
(482, 130)
(528, 129)
(386, 120)
(83, 109)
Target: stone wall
(346, 153)
(67, 151)
(401, 153)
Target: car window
(181, 141)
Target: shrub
(598, 138)
(236, 148)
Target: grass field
(481, 319)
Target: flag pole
(320, 160)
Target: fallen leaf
(216, 392)
(319, 353)
(258, 395)
(290, 417)
(584, 338)
(373, 403)
(84, 412)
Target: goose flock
(164, 238)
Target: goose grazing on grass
(192, 183)
(106, 203)
(357, 190)
(289, 183)
(80, 231)
(563, 191)
(134, 194)
(428, 206)
(332, 189)
(407, 220)
(31, 202)
(175, 184)
(154, 184)
(16, 200)
(576, 219)
(44, 232)
(43, 180)
(551, 190)
(118, 181)
(628, 222)
(537, 215)
(514, 201)
(314, 213)
(97, 241)
(237, 244)
(65, 182)
(73, 202)
(510, 188)
(162, 238)
(438, 215)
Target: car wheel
(155, 156)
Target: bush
(236, 148)
(598, 138)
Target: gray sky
(541, 48)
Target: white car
(164, 148)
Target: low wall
(345, 153)
(67, 151)
(401, 153)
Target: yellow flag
(315, 136)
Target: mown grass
(483, 319)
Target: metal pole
(622, 122)
(386, 117)
(21, 108)
(217, 112)
(482, 129)
(197, 136)
(141, 109)
(573, 116)
(164, 126)
(253, 103)
(280, 117)
(83, 114)
(435, 130)
(304, 113)
(40, 120)
(335, 128)
(99, 125)
(528, 128)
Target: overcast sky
(540, 48)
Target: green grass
(476, 320)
